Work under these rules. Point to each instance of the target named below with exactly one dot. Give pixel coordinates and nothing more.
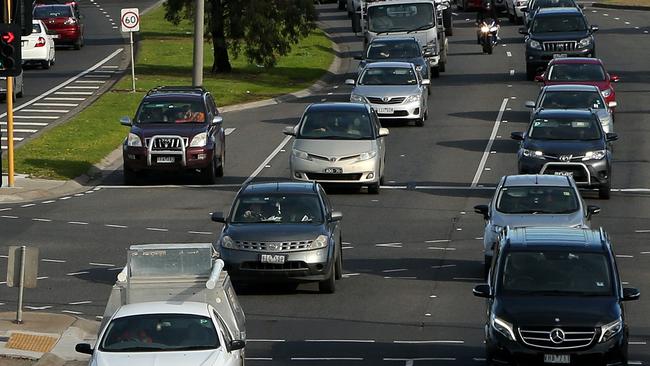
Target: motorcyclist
(486, 13)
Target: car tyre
(487, 261)
(79, 43)
(373, 188)
(222, 163)
(328, 285)
(338, 273)
(435, 72)
(209, 173)
(131, 177)
(531, 71)
(46, 64)
(605, 191)
(443, 66)
(21, 92)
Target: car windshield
(564, 129)
(52, 11)
(573, 100)
(159, 333)
(171, 111)
(576, 72)
(556, 273)
(393, 50)
(336, 125)
(277, 208)
(388, 76)
(36, 28)
(537, 200)
(400, 17)
(559, 23)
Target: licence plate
(165, 159)
(333, 170)
(385, 110)
(55, 36)
(273, 258)
(557, 358)
(559, 55)
(564, 174)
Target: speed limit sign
(130, 19)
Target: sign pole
(10, 113)
(19, 312)
(132, 62)
(197, 66)
(130, 21)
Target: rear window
(573, 100)
(393, 50)
(537, 200)
(54, 11)
(576, 72)
(565, 129)
(388, 76)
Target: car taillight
(40, 42)
(70, 21)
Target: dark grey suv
(282, 232)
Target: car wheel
(443, 66)
(420, 122)
(21, 92)
(46, 64)
(130, 177)
(373, 188)
(78, 43)
(531, 71)
(487, 261)
(209, 173)
(339, 264)
(328, 285)
(605, 191)
(435, 72)
(222, 163)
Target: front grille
(262, 246)
(333, 158)
(574, 337)
(292, 265)
(391, 100)
(167, 143)
(564, 157)
(560, 46)
(579, 173)
(322, 176)
(394, 114)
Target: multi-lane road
(412, 253)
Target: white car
(38, 47)
(513, 10)
(165, 333)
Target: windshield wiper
(138, 349)
(194, 348)
(422, 27)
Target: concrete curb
(621, 7)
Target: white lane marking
(347, 275)
(72, 312)
(624, 256)
(74, 93)
(512, 72)
(38, 307)
(5, 209)
(617, 18)
(41, 220)
(175, 186)
(229, 130)
(28, 205)
(268, 159)
(156, 229)
(56, 104)
(26, 123)
(641, 231)
(443, 266)
(637, 343)
(77, 223)
(65, 98)
(80, 302)
(420, 359)
(99, 76)
(101, 264)
(116, 226)
(437, 241)
(389, 245)
(20, 130)
(200, 232)
(9, 217)
(46, 110)
(634, 363)
(36, 117)
(401, 277)
(394, 270)
(63, 84)
(53, 260)
(48, 201)
(645, 252)
(82, 87)
(115, 269)
(469, 278)
(627, 23)
(509, 54)
(110, 67)
(266, 340)
(605, 14)
(90, 81)
(479, 359)
(42, 278)
(433, 296)
(486, 153)
(341, 340)
(326, 358)
(431, 342)
(256, 358)
(440, 248)
(348, 247)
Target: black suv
(554, 295)
(570, 143)
(557, 32)
(397, 49)
(175, 128)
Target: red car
(468, 5)
(65, 20)
(580, 70)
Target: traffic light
(10, 52)
(21, 13)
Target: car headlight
(354, 98)
(502, 327)
(607, 92)
(367, 155)
(607, 331)
(595, 155)
(534, 44)
(300, 154)
(412, 98)
(584, 43)
(199, 140)
(133, 140)
(320, 242)
(227, 242)
(533, 153)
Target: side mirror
(236, 344)
(614, 78)
(483, 210)
(218, 217)
(539, 78)
(612, 104)
(426, 82)
(529, 104)
(592, 210)
(612, 136)
(289, 131)
(216, 120)
(383, 132)
(126, 121)
(428, 54)
(519, 136)
(84, 348)
(350, 82)
(482, 291)
(336, 216)
(523, 31)
(630, 293)
(594, 28)
(524, 10)
(358, 57)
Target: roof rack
(176, 89)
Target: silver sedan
(394, 89)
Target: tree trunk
(221, 60)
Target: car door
(381, 143)
(334, 227)
(231, 358)
(217, 132)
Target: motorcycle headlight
(367, 155)
(584, 43)
(502, 327)
(354, 98)
(300, 154)
(412, 98)
(595, 155)
(227, 242)
(607, 92)
(320, 242)
(485, 29)
(200, 140)
(133, 140)
(534, 44)
(607, 331)
(533, 153)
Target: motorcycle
(488, 30)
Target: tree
(261, 30)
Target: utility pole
(10, 111)
(197, 65)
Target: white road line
(200, 232)
(641, 231)
(156, 229)
(401, 277)
(80, 302)
(512, 72)
(38, 307)
(431, 342)
(266, 340)
(28, 205)
(486, 153)
(77, 223)
(440, 248)
(36, 117)
(509, 54)
(390, 245)
(104, 72)
(81, 87)
(90, 81)
(256, 358)
(229, 130)
(72, 312)
(634, 363)
(46, 110)
(5, 209)
(326, 358)
(19, 130)
(341, 340)
(116, 226)
(115, 269)
(74, 93)
(9, 217)
(101, 264)
(42, 278)
(443, 266)
(110, 67)
(420, 359)
(469, 278)
(437, 241)
(347, 275)
(479, 359)
(53, 260)
(394, 270)
(26, 123)
(99, 76)
(348, 247)
(624, 256)
(65, 98)
(48, 201)
(268, 159)
(637, 343)
(56, 104)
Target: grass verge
(164, 58)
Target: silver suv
(532, 200)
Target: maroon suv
(175, 128)
(65, 20)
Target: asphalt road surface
(412, 253)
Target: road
(412, 253)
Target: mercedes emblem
(557, 336)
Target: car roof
(571, 87)
(566, 113)
(558, 10)
(163, 307)
(338, 106)
(576, 60)
(556, 237)
(279, 187)
(389, 64)
(523, 180)
(393, 2)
